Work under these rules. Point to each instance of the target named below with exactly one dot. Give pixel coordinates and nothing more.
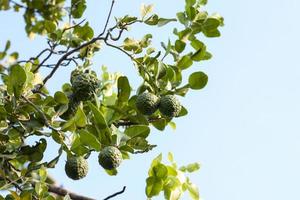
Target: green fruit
(75, 73)
(169, 106)
(72, 108)
(110, 158)
(76, 168)
(147, 103)
(84, 85)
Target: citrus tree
(96, 111)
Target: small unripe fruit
(76, 168)
(110, 158)
(147, 103)
(169, 106)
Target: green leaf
(128, 19)
(200, 50)
(40, 188)
(50, 26)
(78, 7)
(154, 186)
(172, 170)
(89, 139)
(80, 118)
(137, 131)
(152, 20)
(170, 157)
(193, 167)
(85, 32)
(190, 2)
(160, 171)
(17, 79)
(190, 12)
(172, 125)
(193, 191)
(183, 112)
(164, 21)
(98, 116)
(146, 9)
(131, 45)
(2, 55)
(77, 146)
(211, 23)
(61, 98)
(182, 18)
(112, 172)
(198, 80)
(197, 44)
(139, 143)
(7, 45)
(179, 46)
(174, 194)
(123, 89)
(35, 153)
(43, 174)
(218, 17)
(155, 162)
(203, 2)
(212, 33)
(185, 62)
(160, 124)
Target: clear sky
(243, 127)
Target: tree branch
(129, 123)
(63, 192)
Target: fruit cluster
(168, 105)
(109, 158)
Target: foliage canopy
(96, 110)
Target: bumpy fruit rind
(147, 103)
(72, 108)
(169, 106)
(110, 158)
(84, 84)
(76, 168)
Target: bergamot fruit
(84, 84)
(169, 106)
(76, 168)
(110, 158)
(147, 103)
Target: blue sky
(243, 127)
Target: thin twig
(65, 56)
(108, 18)
(74, 26)
(116, 194)
(139, 65)
(36, 57)
(42, 63)
(17, 4)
